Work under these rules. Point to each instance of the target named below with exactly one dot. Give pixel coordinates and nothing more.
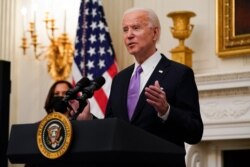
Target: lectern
(100, 142)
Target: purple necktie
(133, 91)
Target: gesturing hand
(157, 98)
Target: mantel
(207, 82)
(225, 105)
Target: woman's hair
(48, 107)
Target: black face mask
(58, 104)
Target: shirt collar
(150, 63)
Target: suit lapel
(159, 71)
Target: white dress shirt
(148, 67)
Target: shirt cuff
(165, 116)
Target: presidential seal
(54, 135)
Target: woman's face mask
(58, 104)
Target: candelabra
(59, 53)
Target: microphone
(88, 91)
(71, 93)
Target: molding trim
(7, 29)
(223, 84)
(224, 103)
(195, 156)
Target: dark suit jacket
(184, 123)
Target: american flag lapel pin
(160, 71)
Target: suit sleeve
(185, 112)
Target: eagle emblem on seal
(54, 135)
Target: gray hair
(152, 17)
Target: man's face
(138, 34)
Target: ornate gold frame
(227, 43)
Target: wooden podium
(100, 142)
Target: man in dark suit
(168, 102)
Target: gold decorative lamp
(59, 53)
(182, 30)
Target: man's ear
(156, 33)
